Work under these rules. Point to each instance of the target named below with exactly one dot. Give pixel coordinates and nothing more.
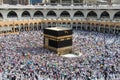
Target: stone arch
(11, 26)
(4, 29)
(21, 27)
(26, 26)
(64, 24)
(25, 14)
(39, 26)
(31, 27)
(106, 28)
(65, 14)
(105, 15)
(38, 14)
(74, 25)
(7, 25)
(16, 27)
(35, 26)
(49, 24)
(102, 28)
(117, 30)
(79, 25)
(54, 24)
(68, 24)
(78, 14)
(116, 16)
(92, 15)
(51, 14)
(12, 14)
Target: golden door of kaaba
(58, 39)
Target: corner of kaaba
(58, 39)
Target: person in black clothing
(14, 78)
(87, 77)
(105, 74)
(36, 77)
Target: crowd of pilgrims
(22, 57)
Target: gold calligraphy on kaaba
(66, 32)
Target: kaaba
(58, 39)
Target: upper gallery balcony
(61, 6)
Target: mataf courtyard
(23, 57)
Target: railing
(62, 6)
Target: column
(71, 25)
(23, 27)
(1, 2)
(51, 24)
(72, 2)
(76, 24)
(17, 1)
(104, 29)
(98, 28)
(86, 26)
(27, 27)
(56, 24)
(13, 27)
(61, 2)
(90, 27)
(109, 29)
(29, 2)
(114, 29)
(41, 26)
(81, 25)
(19, 28)
(37, 27)
(33, 27)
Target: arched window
(16, 27)
(92, 14)
(12, 14)
(25, 14)
(65, 14)
(117, 16)
(78, 14)
(51, 13)
(105, 15)
(38, 14)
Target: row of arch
(104, 28)
(91, 14)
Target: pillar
(1, 2)
(109, 29)
(37, 27)
(41, 26)
(71, 25)
(72, 2)
(76, 25)
(81, 25)
(98, 28)
(60, 1)
(114, 29)
(19, 28)
(29, 2)
(104, 29)
(90, 27)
